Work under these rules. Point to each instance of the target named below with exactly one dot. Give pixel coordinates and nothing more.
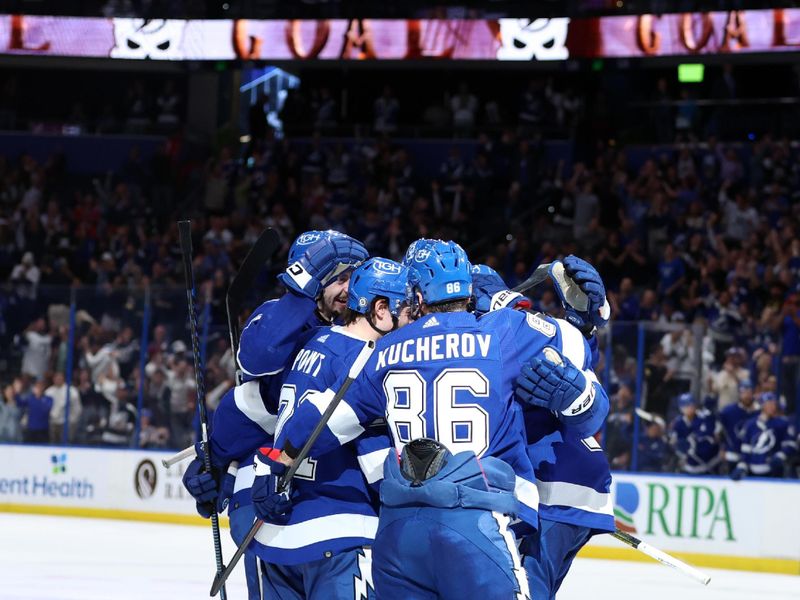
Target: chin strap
(381, 331)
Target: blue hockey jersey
(448, 376)
(696, 441)
(733, 418)
(246, 416)
(334, 509)
(270, 335)
(766, 444)
(572, 473)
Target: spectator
(10, 415)
(168, 102)
(733, 419)
(150, 435)
(654, 452)
(694, 437)
(671, 273)
(767, 442)
(36, 417)
(790, 352)
(26, 276)
(36, 358)
(58, 392)
(386, 110)
(464, 107)
(619, 429)
(326, 110)
(181, 383)
(725, 382)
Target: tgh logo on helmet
(422, 255)
(386, 266)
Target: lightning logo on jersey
(362, 583)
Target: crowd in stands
(699, 240)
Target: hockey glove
(322, 263)
(582, 293)
(268, 502)
(553, 383)
(490, 292)
(205, 487)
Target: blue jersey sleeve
(361, 406)
(269, 337)
(242, 422)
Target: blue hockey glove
(202, 485)
(226, 489)
(209, 494)
(491, 292)
(322, 263)
(268, 502)
(552, 382)
(738, 473)
(776, 464)
(582, 293)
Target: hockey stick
(189, 452)
(185, 234)
(537, 277)
(242, 282)
(355, 369)
(662, 557)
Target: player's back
(450, 376)
(330, 490)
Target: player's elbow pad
(590, 419)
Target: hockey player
(450, 376)
(572, 472)
(694, 436)
(767, 441)
(318, 550)
(246, 417)
(433, 504)
(733, 418)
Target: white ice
(64, 558)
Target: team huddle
(460, 462)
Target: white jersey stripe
(372, 464)
(572, 343)
(299, 535)
(244, 478)
(526, 492)
(561, 493)
(519, 573)
(343, 422)
(248, 400)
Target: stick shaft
(185, 234)
(355, 369)
(189, 452)
(537, 277)
(661, 556)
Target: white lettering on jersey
(307, 361)
(437, 347)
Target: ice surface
(66, 558)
